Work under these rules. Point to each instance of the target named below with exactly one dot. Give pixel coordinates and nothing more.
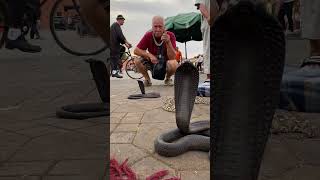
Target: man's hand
(128, 45)
(165, 37)
(153, 58)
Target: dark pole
(185, 48)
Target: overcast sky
(139, 13)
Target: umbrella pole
(185, 49)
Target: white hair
(157, 18)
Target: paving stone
(150, 103)
(122, 137)
(97, 130)
(127, 127)
(73, 124)
(113, 107)
(21, 178)
(79, 167)
(131, 119)
(121, 152)
(276, 149)
(149, 132)
(112, 127)
(148, 166)
(192, 160)
(158, 115)
(61, 145)
(158, 86)
(201, 112)
(23, 168)
(9, 143)
(49, 121)
(40, 130)
(118, 100)
(134, 114)
(16, 125)
(114, 120)
(193, 175)
(66, 177)
(131, 106)
(303, 173)
(100, 120)
(118, 115)
(307, 150)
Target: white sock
(114, 71)
(14, 33)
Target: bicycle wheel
(3, 22)
(132, 71)
(71, 32)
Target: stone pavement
(136, 123)
(35, 145)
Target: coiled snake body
(188, 136)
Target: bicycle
(129, 65)
(84, 40)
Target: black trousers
(16, 10)
(115, 57)
(34, 29)
(286, 10)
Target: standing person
(200, 61)
(286, 9)
(178, 55)
(207, 19)
(35, 24)
(310, 26)
(116, 39)
(148, 50)
(15, 38)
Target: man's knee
(172, 66)
(137, 61)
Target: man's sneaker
(168, 82)
(147, 83)
(23, 45)
(117, 75)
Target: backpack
(159, 70)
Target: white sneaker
(168, 82)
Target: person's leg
(172, 66)
(281, 15)
(289, 14)
(143, 70)
(16, 9)
(206, 52)
(314, 47)
(37, 32)
(310, 26)
(15, 38)
(115, 65)
(33, 29)
(98, 17)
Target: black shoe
(23, 45)
(116, 75)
